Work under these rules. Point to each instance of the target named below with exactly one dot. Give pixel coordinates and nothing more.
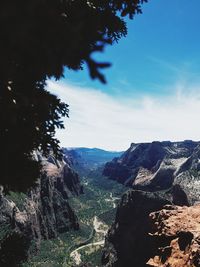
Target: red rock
(180, 228)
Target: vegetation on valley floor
(53, 252)
(94, 202)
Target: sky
(153, 87)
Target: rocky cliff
(176, 234)
(44, 212)
(128, 242)
(86, 159)
(146, 232)
(158, 166)
(150, 232)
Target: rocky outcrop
(45, 211)
(128, 242)
(49, 201)
(188, 176)
(176, 234)
(128, 237)
(146, 232)
(74, 158)
(158, 166)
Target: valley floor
(96, 212)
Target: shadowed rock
(45, 210)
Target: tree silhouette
(13, 250)
(39, 38)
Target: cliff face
(168, 237)
(45, 210)
(188, 176)
(158, 166)
(176, 232)
(86, 159)
(49, 200)
(128, 242)
(146, 232)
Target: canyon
(44, 212)
(111, 209)
(164, 189)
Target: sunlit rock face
(51, 195)
(176, 232)
(127, 242)
(188, 176)
(146, 232)
(158, 166)
(45, 210)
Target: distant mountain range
(89, 158)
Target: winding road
(98, 227)
(112, 199)
(75, 255)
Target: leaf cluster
(39, 39)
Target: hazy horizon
(101, 148)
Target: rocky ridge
(45, 210)
(157, 222)
(176, 231)
(150, 230)
(128, 242)
(85, 159)
(158, 166)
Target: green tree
(39, 38)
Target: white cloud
(99, 120)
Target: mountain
(157, 166)
(156, 221)
(86, 159)
(150, 231)
(43, 212)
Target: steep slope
(86, 159)
(167, 237)
(176, 232)
(188, 176)
(128, 242)
(44, 212)
(165, 173)
(157, 165)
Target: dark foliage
(29, 116)
(13, 250)
(38, 39)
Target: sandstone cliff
(128, 236)
(158, 166)
(146, 232)
(129, 242)
(45, 210)
(176, 232)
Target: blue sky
(155, 70)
